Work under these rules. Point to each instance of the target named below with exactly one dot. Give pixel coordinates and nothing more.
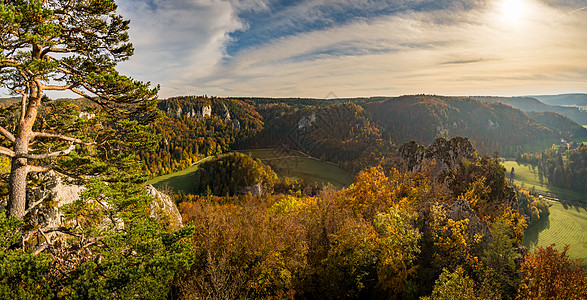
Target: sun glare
(512, 10)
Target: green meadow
(567, 223)
(292, 165)
(527, 176)
(180, 181)
(295, 165)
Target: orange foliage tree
(550, 274)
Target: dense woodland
(392, 234)
(233, 174)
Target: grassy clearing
(292, 165)
(527, 177)
(565, 225)
(296, 165)
(181, 181)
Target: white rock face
(492, 124)
(206, 111)
(307, 121)
(255, 190)
(56, 191)
(164, 203)
(86, 115)
(226, 113)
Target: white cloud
(181, 44)
(178, 40)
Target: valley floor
(567, 223)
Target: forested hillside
(490, 126)
(341, 133)
(192, 128)
(529, 104)
(353, 133)
(563, 99)
(395, 233)
(564, 126)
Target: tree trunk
(17, 197)
(18, 174)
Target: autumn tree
(61, 45)
(550, 274)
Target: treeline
(568, 171)
(354, 133)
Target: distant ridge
(577, 99)
(533, 104)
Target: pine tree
(61, 45)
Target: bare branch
(7, 62)
(7, 134)
(81, 93)
(34, 205)
(6, 151)
(56, 87)
(46, 245)
(48, 155)
(37, 169)
(56, 50)
(41, 249)
(59, 136)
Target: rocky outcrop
(226, 113)
(307, 121)
(254, 190)
(53, 191)
(440, 156)
(164, 207)
(461, 210)
(203, 112)
(206, 111)
(47, 198)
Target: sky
(358, 48)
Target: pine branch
(49, 155)
(37, 169)
(57, 87)
(60, 136)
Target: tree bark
(18, 174)
(19, 166)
